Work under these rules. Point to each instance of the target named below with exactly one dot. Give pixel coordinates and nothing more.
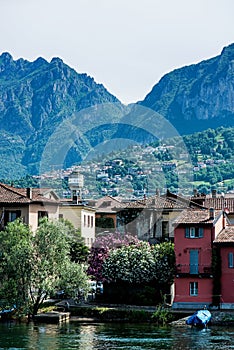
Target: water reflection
(73, 335)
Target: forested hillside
(141, 169)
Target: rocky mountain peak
(228, 50)
(199, 96)
(6, 58)
(6, 62)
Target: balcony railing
(193, 269)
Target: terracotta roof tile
(195, 216)
(226, 235)
(107, 204)
(154, 202)
(220, 203)
(9, 194)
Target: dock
(52, 317)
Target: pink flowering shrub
(101, 248)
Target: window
(194, 232)
(84, 220)
(193, 261)
(42, 214)
(165, 229)
(10, 216)
(91, 221)
(88, 220)
(193, 288)
(230, 260)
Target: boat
(200, 318)
(5, 312)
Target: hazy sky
(127, 45)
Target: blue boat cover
(199, 318)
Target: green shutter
(230, 260)
(201, 232)
(187, 232)
(193, 261)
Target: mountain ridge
(200, 92)
(37, 97)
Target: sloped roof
(195, 216)
(107, 204)
(187, 202)
(226, 235)
(10, 195)
(220, 203)
(156, 202)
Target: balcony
(193, 270)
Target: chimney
(213, 193)
(29, 192)
(157, 192)
(211, 210)
(195, 193)
(224, 220)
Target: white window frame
(192, 232)
(193, 289)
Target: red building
(225, 247)
(196, 268)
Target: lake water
(112, 337)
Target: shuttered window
(193, 261)
(230, 260)
(194, 232)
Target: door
(193, 262)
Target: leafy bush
(140, 263)
(162, 315)
(101, 248)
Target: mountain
(35, 99)
(197, 97)
(50, 115)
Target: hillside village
(206, 223)
(139, 169)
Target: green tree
(33, 266)
(16, 260)
(78, 250)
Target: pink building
(225, 247)
(196, 269)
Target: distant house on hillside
(30, 204)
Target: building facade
(224, 244)
(82, 217)
(195, 231)
(29, 204)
